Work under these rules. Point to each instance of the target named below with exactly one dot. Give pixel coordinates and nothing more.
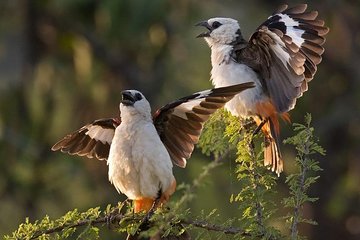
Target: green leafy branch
(224, 137)
(122, 219)
(306, 145)
(257, 182)
(257, 190)
(66, 225)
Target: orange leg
(143, 204)
(267, 110)
(147, 204)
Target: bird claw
(110, 219)
(145, 221)
(147, 217)
(252, 145)
(113, 215)
(151, 212)
(258, 128)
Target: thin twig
(295, 222)
(216, 228)
(255, 182)
(93, 222)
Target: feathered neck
(132, 115)
(220, 53)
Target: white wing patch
(292, 32)
(295, 34)
(187, 107)
(278, 48)
(203, 94)
(100, 134)
(289, 22)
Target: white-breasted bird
(140, 148)
(281, 57)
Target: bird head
(221, 31)
(134, 103)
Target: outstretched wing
(285, 50)
(180, 123)
(92, 140)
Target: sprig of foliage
(67, 225)
(222, 134)
(213, 140)
(172, 220)
(306, 145)
(257, 184)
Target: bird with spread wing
(141, 148)
(281, 57)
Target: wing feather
(285, 51)
(180, 123)
(92, 140)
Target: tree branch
(115, 219)
(216, 228)
(255, 183)
(93, 222)
(115, 216)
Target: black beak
(207, 26)
(127, 98)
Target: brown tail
(272, 154)
(271, 130)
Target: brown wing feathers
(288, 47)
(314, 31)
(179, 123)
(92, 140)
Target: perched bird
(281, 57)
(141, 148)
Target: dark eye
(138, 96)
(216, 24)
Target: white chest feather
(226, 72)
(139, 164)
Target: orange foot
(143, 204)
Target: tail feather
(272, 154)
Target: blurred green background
(63, 63)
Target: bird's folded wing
(285, 50)
(92, 140)
(180, 122)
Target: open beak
(207, 26)
(127, 98)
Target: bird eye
(138, 97)
(216, 24)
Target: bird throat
(220, 54)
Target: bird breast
(139, 164)
(229, 73)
